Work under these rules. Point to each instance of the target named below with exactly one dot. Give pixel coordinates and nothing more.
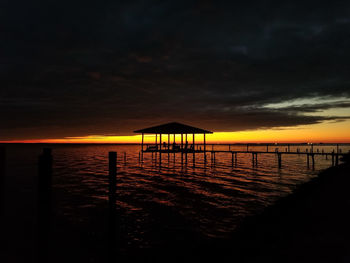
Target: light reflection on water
(189, 194)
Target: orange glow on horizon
(331, 132)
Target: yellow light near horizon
(323, 132)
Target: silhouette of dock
(186, 147)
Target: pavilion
(173, 128)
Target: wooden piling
(2, 173)
(279, 160)
(313, 161)
(308, 160)
(333, 158)
(2, 162)
(44, 203)
(112, 178)
(337, 159)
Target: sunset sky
(251, 71)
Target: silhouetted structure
(44, 203)
(173, 128)
(2, 173)
(112, 156)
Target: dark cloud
(73, 68)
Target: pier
(185, 147)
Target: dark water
(176, 197)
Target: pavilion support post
(204, 148)
(168, 144)
(182, 141)
(313, 161)
(156, 141)
(142, 142)
(194, 149)
(160, 142)
(267, 148)
(333, 158)
(308, 160)
(193, 142)
(288, 147)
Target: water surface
(172, 196)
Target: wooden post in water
(308, 160)
(205, 148)
(313, 161)
(160, 142)
(112, 199)
(44, 203)
(2, 162)
(232, 158)
(288, 147)
(247, 147)
(333, 158)
(156, 141)
(142, 143)
(2, 173)
(267, 148)
(279, 160)
(336, 159)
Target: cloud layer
(74, 68)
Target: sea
(171, 196)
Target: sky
(95, 71)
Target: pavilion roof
(172, 128)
